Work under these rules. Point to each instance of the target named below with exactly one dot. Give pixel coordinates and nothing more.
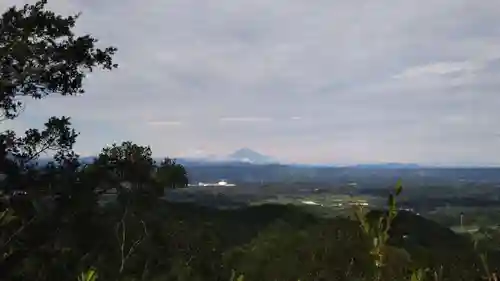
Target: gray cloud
(370, 80)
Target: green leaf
(417, 275)
(399, 187)
(391, 202)
(90, 275)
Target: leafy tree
(60, 224)
(59, 212)
(128, 167)
(40, 55)
(171, 175)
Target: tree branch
(15, 234)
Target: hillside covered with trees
(107, 220)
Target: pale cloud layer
(306, 81)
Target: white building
(219, 183)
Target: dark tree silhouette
(40, 55)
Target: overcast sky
(313, 81)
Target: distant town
(219, 183)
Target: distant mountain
(247, 155)
(247, 166)
(88, 159)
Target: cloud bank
(326, 81)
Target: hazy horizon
(306, 82)
(224, 158)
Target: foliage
(53, 221)
(90, 275)
(40, 55)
